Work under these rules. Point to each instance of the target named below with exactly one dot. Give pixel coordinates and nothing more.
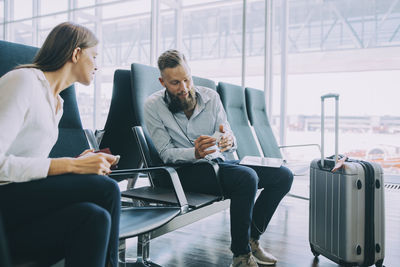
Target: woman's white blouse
(28, 125)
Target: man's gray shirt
(174, 134)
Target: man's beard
(176, 104)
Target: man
(181, 121)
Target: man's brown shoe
(260, 255)
(245, 260)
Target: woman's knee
(112, 187)
(105, 184)
(98, 218)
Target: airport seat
(257, 115)
(126, 111)
(256, 110)
(204, 82)
(131, 88)
(233, 100)
(70, 128)
(72, 140)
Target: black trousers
(250, 218)
(75, 217)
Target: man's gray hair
(170, 59)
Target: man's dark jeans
(240, 184)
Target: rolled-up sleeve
(169, 153)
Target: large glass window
(169, 27)
(125, 38)
(2, 20)
(84, 3)
(21, 32)
(255, 39)
(212, 39)
(22, 13)
(51, 6)
(337, 46)
(347, 47)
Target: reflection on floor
(206, 243)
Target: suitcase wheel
(315, 253)
(379, 263)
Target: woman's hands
(87, 162)
(95, 163)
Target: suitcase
(346, 212)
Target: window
(337, 46)
(212, 39)
(51, 6)
(347, 47)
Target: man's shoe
(245, 260)
(260, 255)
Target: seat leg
(132, 181)
(143, 250)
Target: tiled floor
(206, 243)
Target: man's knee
(250, 179)
(286, 178)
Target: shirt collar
(202, 99)
(41, 77)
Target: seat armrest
(180, 195)
(210, 176)
(299, 167)
(298, 146)
(301, 145)
(91, 139)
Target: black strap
(369, 246)
(187, 137)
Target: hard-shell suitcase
(346, 219)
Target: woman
(61, 207)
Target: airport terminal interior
(292, 52)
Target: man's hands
(226, 141)
(201, 144)
(204, 142)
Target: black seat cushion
(140, 220)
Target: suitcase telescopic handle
(336, 96)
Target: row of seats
(246, 109)
(239, 115)
(131, 88)
(144, 222)
(73, 140)
(184, 202)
